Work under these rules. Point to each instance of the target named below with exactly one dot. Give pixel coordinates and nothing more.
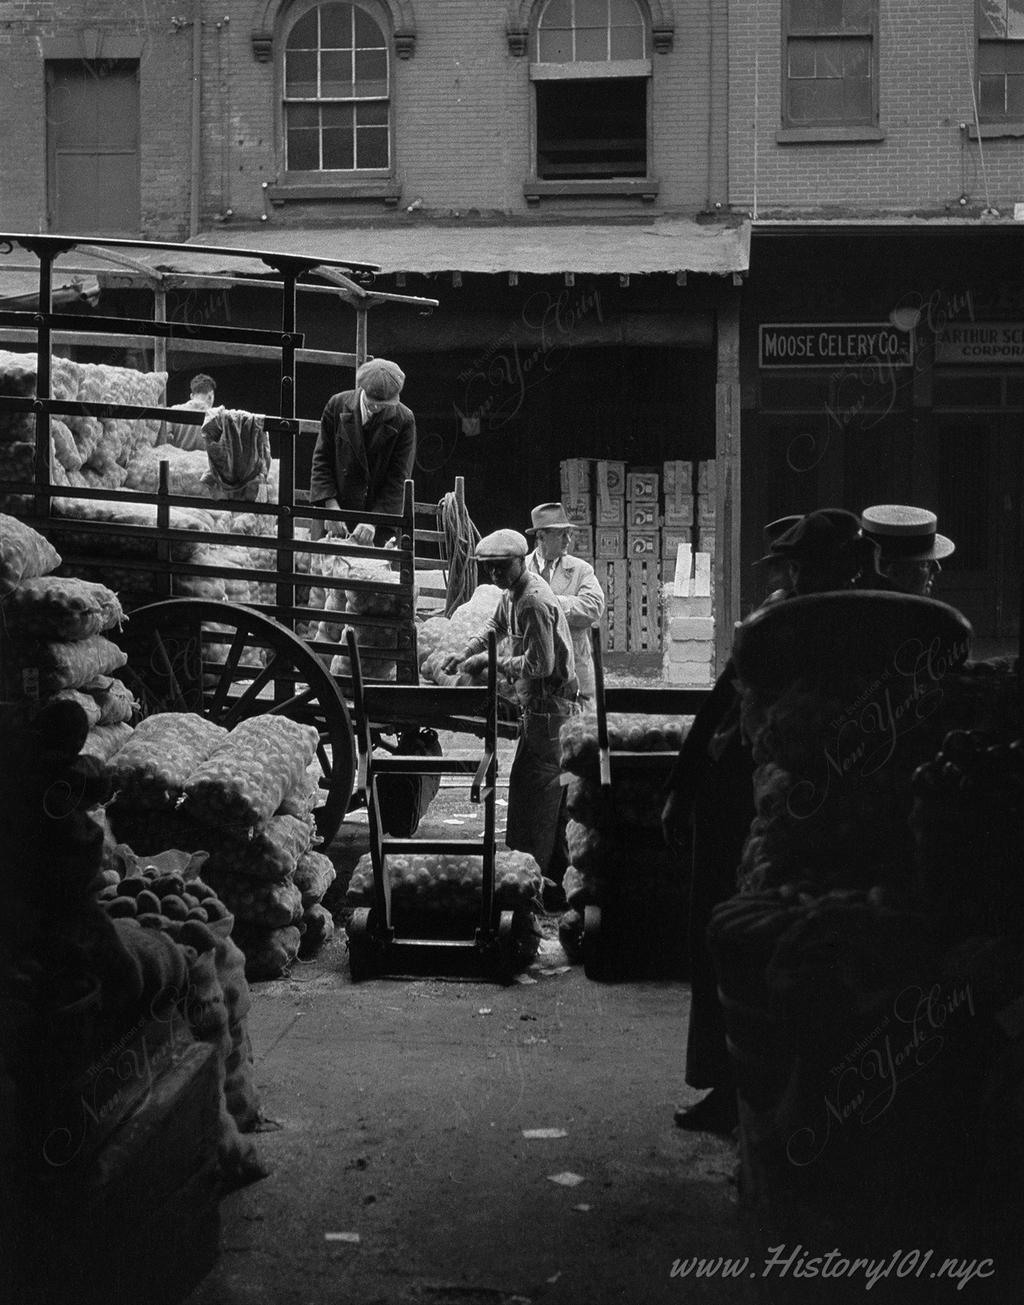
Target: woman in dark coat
(710, 795)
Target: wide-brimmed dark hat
(773, 531)
(818, 535)
(905, 534)
(501, 544)
(548, 516)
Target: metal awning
(716, 248)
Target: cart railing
(153, 552)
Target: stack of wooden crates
(629, 524)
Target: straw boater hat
(905, 534)
(548, 516)
(501, 544)
(380, 379)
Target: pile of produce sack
(54, 640)
(439, 895)
(617, 856)
(245, 798)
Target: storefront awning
(661, 245)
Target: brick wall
(925, 161)
(461, 113)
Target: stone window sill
(993, 130)
(303, 192)
(819, 135)
(646, 188)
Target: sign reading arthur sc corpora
(833, 344)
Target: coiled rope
(460, 540)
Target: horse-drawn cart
(282, 648)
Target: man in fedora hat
(542, 668)
(779, 574)
(365, 450)
(573, 582)
(910, 547)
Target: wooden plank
(702, 575)
(684, 572)
(611, 575)
(644, 586)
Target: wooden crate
(609, 542)
(642, 515)
(612, 576)
(578, 510)
(643, 486)
(679, 512)
(644, 584)
(707, 477)
(677, 479)
(611, 479)
(642, 543)
(610, 511)
(582, 542)
(576, 477)
(670, 541)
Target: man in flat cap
(573, 582)
(542, 668)
(910, 547)
(366, 449)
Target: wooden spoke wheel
(227, 663)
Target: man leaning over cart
(573, 582)
(365, 450)
(542, 669)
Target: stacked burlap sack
(379, 641)
(85, 451)
(441, 636)
(54, 643)
(244, 796)
(617, 856)
(439, 895)
(94, 988)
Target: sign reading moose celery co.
(834, 344)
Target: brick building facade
(880, 152)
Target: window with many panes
(830, 71)
(1001, 60)
(590, 68)
(336, 90)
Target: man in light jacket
(572, 581)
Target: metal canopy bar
(55, 245)
(148, 327)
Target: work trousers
(536, 797)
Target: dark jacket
(362, 469)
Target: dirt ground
(401, 1171)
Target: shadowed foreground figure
(710, 796)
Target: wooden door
(92, 114)
(979, 507)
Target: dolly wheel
(506, 946)
(593, 958)
(361, 952)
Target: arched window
(590, 31)
(336, 90)
(590, 67)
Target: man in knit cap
(366, 449)
(542, 668)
